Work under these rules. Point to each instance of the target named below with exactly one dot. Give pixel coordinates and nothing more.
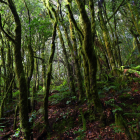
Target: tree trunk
(10, 74)
(107, 40)
(23, 105)
(48, 81)
(43, 66)
(90, 55)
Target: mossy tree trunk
(12, 59)
(31, 56)
(36, 75)
(70, 75)
(86, 75)
(37, 70)
(10, 73)
(0, 81)
(3, 65)
(30, 49)
(102, 48)
(85, 66)
(116, 40)
(43, 66)
(134, 15)
(23, 105)
(75, 57)
(88, 47)
(136, 38)
(49, 72)
(74, 52)
(4, 99)
(106, 40)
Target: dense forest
(69, 69)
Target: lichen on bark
(88, 49)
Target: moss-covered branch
(23, 113)
(88, 47)
(73, 20)
(49, 71)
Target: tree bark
(48, 81)
(107, 40)
(23, 105)
(88, 47)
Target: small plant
(68, 102)
(116, 129)
(64, 115)
(33, 116)
(1, 129)
(17, 132)
(40, 87)
(110, 102)
(136, 90)
(1, 126)
(138, 108)
(16, 93)
(81, 133)
(74, 98)
(117, 109)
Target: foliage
(116, 129)
(2, 126)
(58, 97)
(62, 93)
(40, 87)
(81, 133)
(17, 132)
(16, 93)
(124, 96)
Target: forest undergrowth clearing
(66, 123)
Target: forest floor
(66, 122)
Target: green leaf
(86, 7)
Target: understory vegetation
(70, 120)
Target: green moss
(83, 119)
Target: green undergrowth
(137, 68)
(124, 105)
(126, 116)
(65, 123)
(62, 92)
(62, 87)
(117, 84)
(58, 97)
(124, 96)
